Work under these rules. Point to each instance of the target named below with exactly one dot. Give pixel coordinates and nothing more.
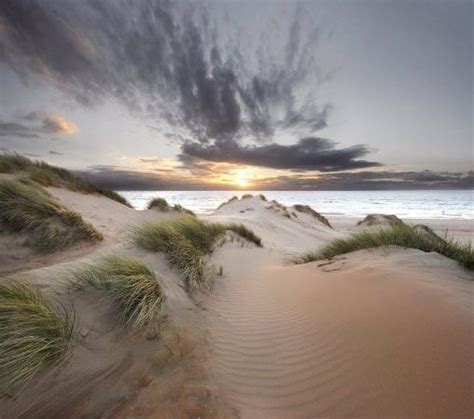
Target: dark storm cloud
(122, 179)
(164, 61)
(373, 181)
(308, 154)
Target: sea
(419, 204)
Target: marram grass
(48, 175)
(162, 205)
(308, 210)
(187, 241)
(244, 232)
(29, 209)
(129, 285)
(398, 235)
(159, 203)
(34, 334)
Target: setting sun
(241, 178)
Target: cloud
(56, 124)
(308, 154)
(168, 61)
(35, 125)
(123, 179)
(372, 180)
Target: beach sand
(375, 333)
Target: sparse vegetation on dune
(279, 208)
(162, 205)
(398, 235)
(130, 286)
(308, 210)
(34, 334)
(159, 203)
(12, 162)
(180, 208)
(380, 219)
(186, 241)
(245, 196)
(48, 175)
(29, 209)
(234, 198)
(244, 232)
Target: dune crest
(285, 230)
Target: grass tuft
(34, 334)
(308, 210)
(245, 233)
(48, 175)
(130, 286)
(180, 208)
(234, 198)
(13, 162)
(159, 203)
(380, 219)
(162, 205)
(27, 208)
(398, 235)
(186, 241)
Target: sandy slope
(347, 339)
(381, 333)
(110, 371)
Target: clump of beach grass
(232, 199)
(159, 203)
(380, 219)
(34, 334)
(48, 175)
(180, 208)
(308, 210)
(186, 241)
(130, 286)
(29, 209)
(162, 205)
(398, 235)
(244, 232)
(13, 162)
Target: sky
(221, 94)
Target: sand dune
(343, 340)
(285, 231)
(376, 333)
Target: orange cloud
(56, 124)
